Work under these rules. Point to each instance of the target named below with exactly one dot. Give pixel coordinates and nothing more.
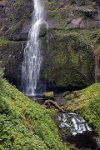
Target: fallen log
(48, 102)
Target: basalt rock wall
(68, 47)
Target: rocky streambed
(73, 128)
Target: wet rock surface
(75, 130)
(64, 13)
(74, 123)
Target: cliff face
(14, 26)
(73, 35)
(74, 14)
(15, 17)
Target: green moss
(88, 105)
(11, 46)
(4, 42)
(69, 59)
(25, 124)
(56, 13)
(21, 10)
(19, 3)
(53, 113)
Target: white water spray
(32, 56)
(74, 123)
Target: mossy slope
(87, 103)
(24, 124)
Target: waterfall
(32, 55)
(74, 123)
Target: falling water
(74, 123)
(76, 131)
(32, 56)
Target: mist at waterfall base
(31, 66)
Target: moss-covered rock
(25, 124)
(87, 104)
(48, 95)
(69, 59)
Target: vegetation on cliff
(69, 60)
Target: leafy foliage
(24, 124)
(87, 103)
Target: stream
(74, 123)
(74, 129)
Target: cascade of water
(73, 122)
(32, 56)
